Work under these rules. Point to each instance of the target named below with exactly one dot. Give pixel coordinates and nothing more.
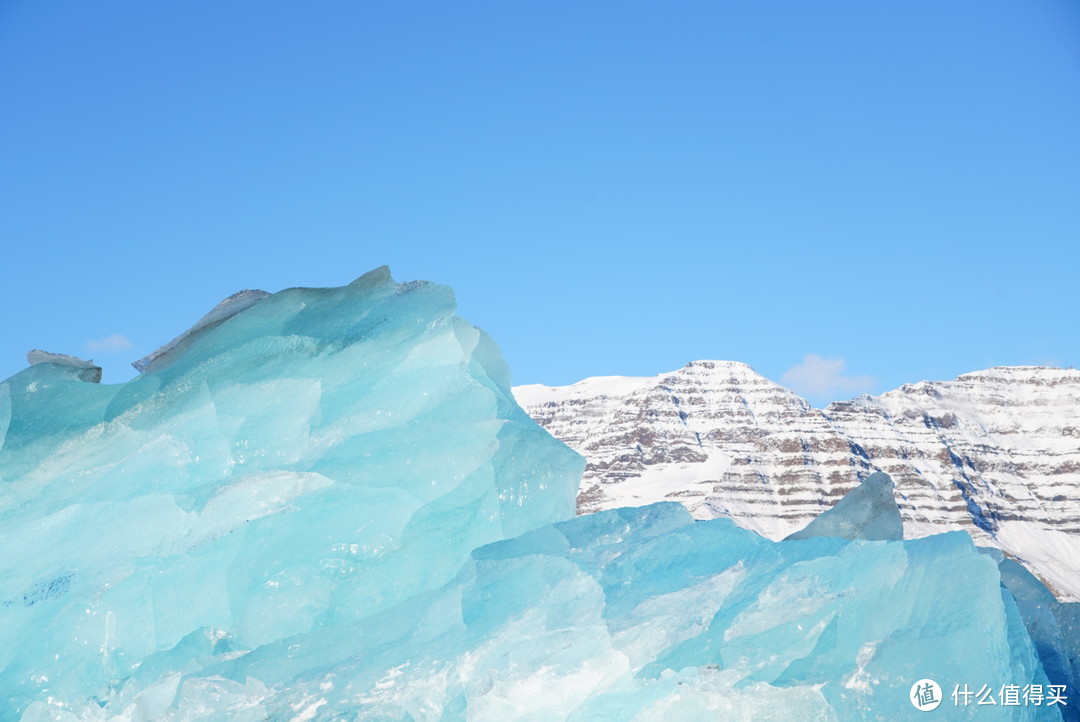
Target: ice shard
(88, 371)
(229, 307)
(868, 511)
(1052, 626)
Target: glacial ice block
(638, 614)
(296, 463)
(1052, 626)
(868, 511)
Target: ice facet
(293, 465)
(229, 307)
(88, 371)
(643, 614)
(868, 511)
(1052, 627)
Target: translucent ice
(296, 464)
(637, 614)
(868, 511)
(1052, 626)
(87, 370)
(234, 304)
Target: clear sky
(854, 194)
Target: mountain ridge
(994, 452)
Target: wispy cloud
(818, 376)
(116, 342)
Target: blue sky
(892, 189)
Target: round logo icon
(925, 695)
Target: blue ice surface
(1052, 626)
(639, 614)
(324, 504)
(868, 511)
(295, 465)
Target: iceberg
(325, 504)
(295, 462)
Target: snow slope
(995, 453)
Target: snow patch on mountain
(995, 453)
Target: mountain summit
(995, 452)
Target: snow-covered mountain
(995, 453)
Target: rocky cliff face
(995, 453)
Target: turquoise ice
(645, 614)
(868, 511)
(296, 462)
(325, 504)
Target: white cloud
(818, 376)
(116, 342)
